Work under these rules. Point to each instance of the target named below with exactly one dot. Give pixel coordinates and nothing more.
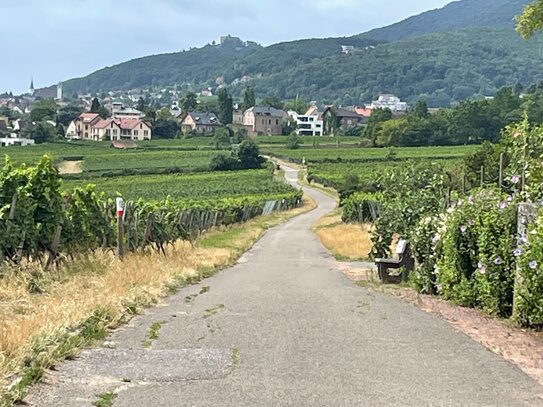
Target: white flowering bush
(426, 246)
(477, 265)
(529, 290)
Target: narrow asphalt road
(285, 328)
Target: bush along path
(284, 327)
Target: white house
(15, 141)
(127, 113)
(390, 101)
(309, 124)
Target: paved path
(284, 327)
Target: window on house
(145, 133)
(135, 132)
(276, 121)
(86, 126)
(141, 126)
(114, 131)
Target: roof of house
(129, 124)
(266, 111)
(88, 117)
(340, 112)
(363, 111)
(127, 110)
(102, 124)
(176, 112)
(207, 118)
(312, 111)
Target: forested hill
(454, 16)
(418, 57)
(197, 65)
(440, 68)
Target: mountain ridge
(271, 69)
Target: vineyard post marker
(120, 212)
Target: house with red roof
(134, 129)
(90, 126)
(81, 128)
(105, 129)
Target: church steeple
(31, 90)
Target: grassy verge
(47, 317)
(347, 242)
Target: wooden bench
(404, 259)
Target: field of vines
(333, 154)
(42, 219)
(206, 185)
(330, 166)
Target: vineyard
(331, 167)
(189, 187)
(40, 221)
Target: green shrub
(529, 290)
(426, 247)
(476, 268)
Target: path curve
(285, 327)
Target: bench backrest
(401, 247)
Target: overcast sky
(54, 40)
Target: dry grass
(345, 241)
(70, 167)
(68, 297)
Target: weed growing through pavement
(105, 399)
(235, 357)
(152, 333)
(212, 311)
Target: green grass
(152, 333)
(105, 399)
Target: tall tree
(142, 104)
(43, 110)
(68, 113)
(248, 98)
(226, 107)
(189, 102)
(298, 105)
(420, 110)
(531, 19)
(95, 106)
(42, 133)
(273, 101)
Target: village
(131, 116)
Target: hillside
(455, 16)
(421, 55)
(197, 66)
(440, 68)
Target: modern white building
(15, 141)
(309, 124)
(391, 102)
